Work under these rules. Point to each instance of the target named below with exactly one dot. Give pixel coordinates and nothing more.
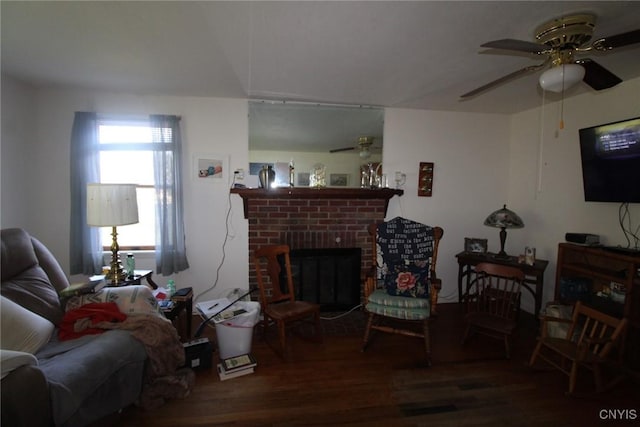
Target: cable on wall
(224, 244)
(625, 216)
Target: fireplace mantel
(314, 193)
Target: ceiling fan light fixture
(365, 153)
(556, 79)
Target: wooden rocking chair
(404, 315)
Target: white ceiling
(419, 54)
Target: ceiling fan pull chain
(561, 124)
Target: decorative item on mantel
(400, 179)
(370, 175)
(425, 179)
(503, 219)
(318, 177)
(267, 176)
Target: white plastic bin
(235, 335)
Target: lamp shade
(110, 205)
(559, 78)
(504, 218)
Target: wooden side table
(182, 302)
(534, 274)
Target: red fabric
(78, 322)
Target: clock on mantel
(314, 193)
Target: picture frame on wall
(339, 179)
(303, 179)
(211, 168)
(474, 245)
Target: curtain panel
(171, 253)
(85, 246)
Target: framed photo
(339, 179)
(302, 179)
(211, 168)
(475, 245)
(256, 167)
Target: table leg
(538, 295)
(460, 267)
(189, 306)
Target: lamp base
(116, 273)
(501, 256)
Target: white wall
(481, 162)
(470, 153)
(18, 106)
(546, 174)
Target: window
(147, 152)
(126, 157)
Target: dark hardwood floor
(334, 383)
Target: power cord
(224, 243)
(341, 315)
(623, 213)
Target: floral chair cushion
(407, 279)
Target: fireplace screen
(328, 276)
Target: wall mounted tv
(611, 162)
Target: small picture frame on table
(476, 246)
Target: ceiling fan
(364, 145)
(561, 41)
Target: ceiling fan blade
(519, 45)
(337, 150)
(619, 40)
(597, 76)
(515, 74)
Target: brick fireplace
(310, 218)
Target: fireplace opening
(327, 276)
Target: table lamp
(111, 205)
(503, 219)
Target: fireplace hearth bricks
(306, 218)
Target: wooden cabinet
(592, 274)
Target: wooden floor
(334, 383)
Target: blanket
(163, 378)
(82, 321)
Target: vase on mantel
(267, 176)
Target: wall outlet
(239, 173)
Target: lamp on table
(503, 219)
(112, 205)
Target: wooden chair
(493, 303)
(277, 296)
(591, 338)
(398, 314)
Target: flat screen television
(611, 161)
